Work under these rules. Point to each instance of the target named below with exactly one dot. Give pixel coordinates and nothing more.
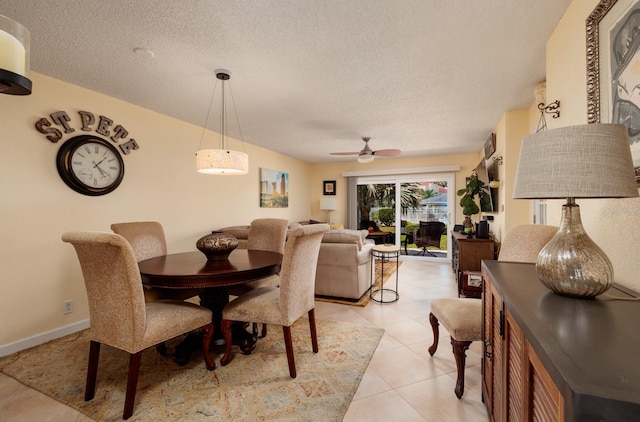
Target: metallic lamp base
(571, 264)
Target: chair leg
(161, 348)
(206, 343)
(263, 334)
(289, 346)
(314, 332)
(435, 326)
(92, 370)
(225, 326)
(132, 384)
(459, 349)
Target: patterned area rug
(389, 269)
(256, 387)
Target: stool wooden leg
(436, 333)
(459, 349)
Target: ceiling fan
(366, 155)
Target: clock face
(90, 165)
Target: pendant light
(14, 58)
(222, 160)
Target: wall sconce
(498, 160)
(552, 108)
(14, 58)
(328, 205)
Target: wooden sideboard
(553, 358)
(467, 254)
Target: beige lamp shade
(587, 161)
(221, 161)
(328, 204)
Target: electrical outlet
(68, 306)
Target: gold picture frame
(613, 44)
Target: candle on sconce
(13, 54)
(14, 58)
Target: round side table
(384, 253)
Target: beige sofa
(344, 260)
(344, 264)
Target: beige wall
(613, 224)
(38, 271)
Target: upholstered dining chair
(265, 234)
(119, 315)
(284, 305)
(148, 241)
(462, 317)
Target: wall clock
(90, 165)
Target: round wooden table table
(210, 279)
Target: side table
(384, 252)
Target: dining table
(210, 280)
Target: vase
(467, 225)
(217, 246)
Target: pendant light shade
(221, 161)
(14, 58)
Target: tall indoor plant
(474, 188)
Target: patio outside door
(397, 204)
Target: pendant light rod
(223, 75)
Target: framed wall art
(274, 189)
(613, 54)
(490, 146)
(329, 187)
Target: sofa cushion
(343, 236)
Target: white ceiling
(309, 77)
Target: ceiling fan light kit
(367, 155)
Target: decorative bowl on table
(217, 246)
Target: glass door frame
(399, 179)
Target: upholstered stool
(463, 319)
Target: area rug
(389, 269)
(254, 387)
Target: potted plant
(474, 188)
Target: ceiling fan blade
(387, 152)
(344, 153)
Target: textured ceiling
(309, 77)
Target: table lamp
(586, 161)
(328, 205)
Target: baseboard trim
(38, 339)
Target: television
(487, 172)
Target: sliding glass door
(412, 211)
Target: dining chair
(265, 234)
(462, 317)
(119, 315)
(284, 305)
(148, 241)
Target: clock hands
(102, 172)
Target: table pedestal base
(215, 299)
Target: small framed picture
(329, 187)
(474, 280)
(490, 146)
